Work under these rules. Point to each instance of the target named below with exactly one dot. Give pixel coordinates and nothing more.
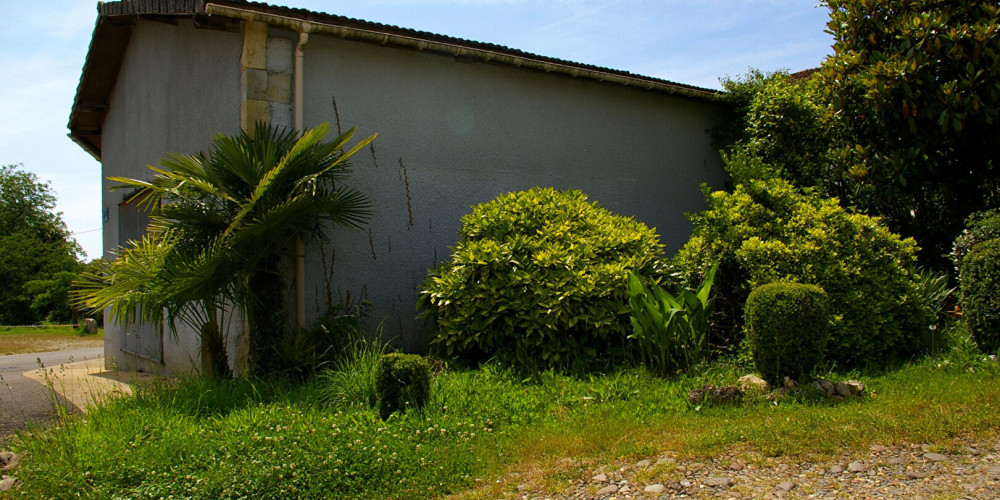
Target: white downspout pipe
(300, 252)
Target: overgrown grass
(276, 439)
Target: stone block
(254, 45)
(280, 56)
(254, 83)
(279, 88)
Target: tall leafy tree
(34, 247)
(915, 86)
(223, 226)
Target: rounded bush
(788, 328)
(402, 381)
(538, 277)
(767, 231)
(981, 294)
(979, 227)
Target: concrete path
(35, 387)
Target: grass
(20, 340)
(485, 431)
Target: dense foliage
(538, 276)
(787, 329)
(980, 227)
(37, 256)
(981, 294)
(913, 84)
(223, 223)
(402, 381)
(768, 230)
(671, 329)
(784, 124)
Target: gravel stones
(717, 482)
(971, 469)
(935, 457)
(8, 462)
(654, 488)
(786, 486)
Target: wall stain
(371, 147)
(336, 113)
(371, 244)
(409, 200)
(327, 274)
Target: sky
(695, 42)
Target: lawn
(484, 427)
(20, 340)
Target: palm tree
(223, 224)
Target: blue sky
(696, 42)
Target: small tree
(222, 223)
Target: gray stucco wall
(177, 87)
(456, 133)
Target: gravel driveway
(962, 468)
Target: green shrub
(768, 230)
(979, 227)
(981, 294)
(538, 276)
(788, 328)
(672, 330)
(402, 381)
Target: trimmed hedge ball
(788, 329)
(402, 381)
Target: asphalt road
(25, 402)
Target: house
(459, 123)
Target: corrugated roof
(115, 21)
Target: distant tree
(915, 88)
(34, 246)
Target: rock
(935, 457)
(836, 469)
(752, 384)
(915, 474)
(778, 394)
(842, 389)
(895, 461)
(710, 394)
(877, 448)
(685, 483)
(90, 326)
(523, 487)
(9, 461)
(856, 466)
(855, 387)
(718, 481)
(608, 490)
(786, 486)
(790, 384)
(825, 387)
(8, 483)
(654, 488)
(665, 460)
(600, 478)
(642, 464)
